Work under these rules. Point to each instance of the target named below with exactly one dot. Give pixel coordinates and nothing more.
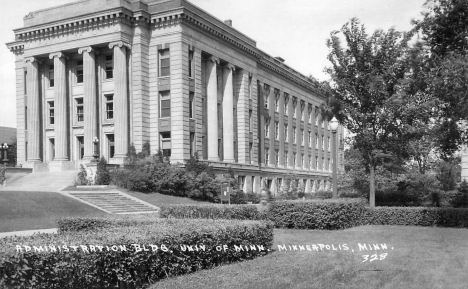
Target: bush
(460, 199)
(253, 198)
(211, 211)
(323, 194)
(128, 268)
(2, 173)
(82, 178)
(441, 217)
(102, 173)
(317, 214)
(238, 197)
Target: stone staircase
(42, 182)
(113, 201)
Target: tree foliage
(373, 100)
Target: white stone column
(90, 103)
(33, 117)
(120, 99)
(228, 113)
(212, 108)
(60, 106)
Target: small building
(167, 73)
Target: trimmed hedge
(127, 269)
(211, 211)
(417, 216)
(317, 214)
(330, 214)
(76, 224)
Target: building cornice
(17, 47)
(119, 15)
(154, 21)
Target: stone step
(115, 202)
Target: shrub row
(416, 216)
(76, 224)
(317, 214)
(327, 214)
(211, 211)
(128, 268)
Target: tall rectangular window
(251, 157)
(79, 109)
(302, 112)
(267, 128)
(267, 156)
(250, 87)
(302, 137)
(79, 71)
(294, 110)
(286, 133)
(165, 104)
(51, 75)
(109, 66)
(316, 163)
(316, 117)
(109, 106)
(294, 134)
(310, 116)
(276, 130)
(165, 138)
(191, 104)
(329, 147)
(323, 142)
(250, 120)
(294, 159)
(285, 106)
(286, 158)
(191, 65)
(323, 163)
(316, 140)
(310, 138)
(25, 121)
(277, 104)
(192, 144)
(310, 162)
(51, 112)
(164, 63)
(276, 157)
(265, 101)
(110, 145)
(80, 140)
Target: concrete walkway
(28, 233)
(42, 182)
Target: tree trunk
(372, 187)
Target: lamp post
(4, 147)
(96, 154)
(334, 127)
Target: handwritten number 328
(374, 257)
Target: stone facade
(169, 74)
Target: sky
(295, 30)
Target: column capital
(119, 44)
(87, 49)
(230, 66)
(58, 55)
(32, 59)
(214, 59)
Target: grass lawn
(38, 210)
(422, 257)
